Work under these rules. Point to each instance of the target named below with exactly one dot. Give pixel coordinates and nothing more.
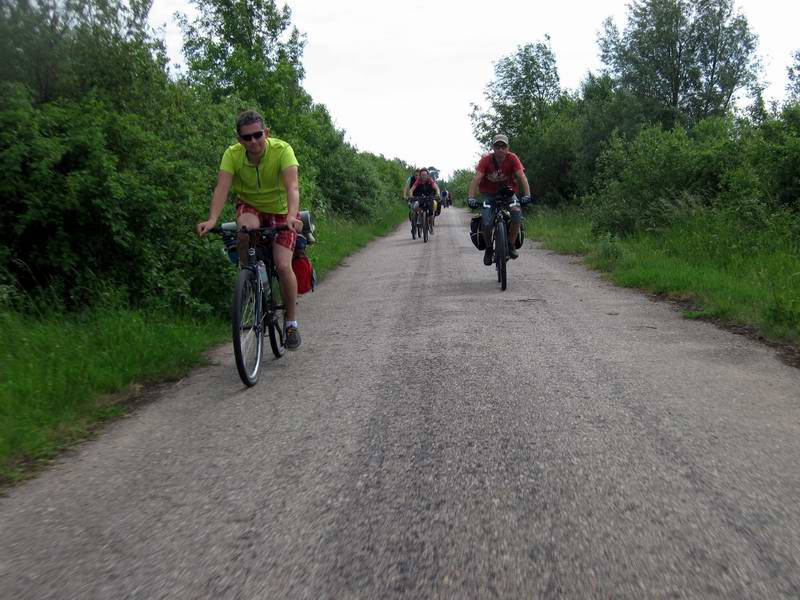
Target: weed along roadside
(62, 376)
(752, 288)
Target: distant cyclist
(409, 182)
(495, 171)
(424, 186)
(408, 197)
(263, 174)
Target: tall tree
(604, 106)
(525, 84)
(688, 58)
(65, 48)
(726, 58)
(794, 77)
(249, 49)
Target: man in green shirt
(263, 174)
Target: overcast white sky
(399, 77)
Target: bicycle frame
(255, 295)
(423, 216)
(425, 203)
(501, 224)
(501, 208)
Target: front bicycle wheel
(275, 316)
(425, 226)
(501, 252)
(248, 335)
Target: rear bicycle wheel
(275, 316)
(425, 225)
(501, 252)
(248, 335)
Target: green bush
(109, 163)
(96, 199)
(641, 183)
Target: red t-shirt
(496, 175)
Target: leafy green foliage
(656, 177)
(247, 48)
(525, 83)
(94, 204)
(109, 163)
(686, 58)
(604, 109)
(654, 136)
(640, 184)
(458, 185)
(66, 49)
(793, 87)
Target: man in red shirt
(424, 187)
(497, 171)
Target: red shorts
(287, 239)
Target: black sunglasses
(501, 145)
(251, 136)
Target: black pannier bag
(477, 238)
(475, 233)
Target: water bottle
(262, 273)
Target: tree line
(675, 122)
(108, 159)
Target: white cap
(500, 138)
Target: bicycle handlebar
(505, 201)
(264, 231)
(501, 201)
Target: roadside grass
(62, 375)
(565, 231)
(725, 272)
(58, 374)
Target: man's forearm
(523, 182)
(217, 204)
(473, 184)
(293, 201)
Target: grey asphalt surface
(438, 438)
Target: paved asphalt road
(438, 438)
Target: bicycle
(423, 221)
(257, 302)
(501, 204)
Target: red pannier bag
(304, 272)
